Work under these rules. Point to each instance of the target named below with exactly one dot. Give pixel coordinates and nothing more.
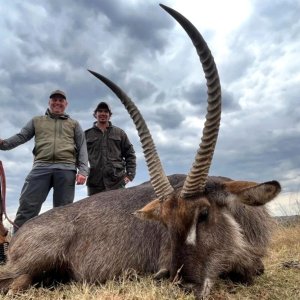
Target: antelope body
(98, 238)
(196, 226)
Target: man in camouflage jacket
(111, 155)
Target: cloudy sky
(47, 45)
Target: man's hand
(80, 179)
(126, 179)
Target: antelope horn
(159, 180)
(197, 177)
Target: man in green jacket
(59, 151)
(111, 155)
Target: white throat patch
(192, 235)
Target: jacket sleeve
(82, 155)
(26, 133)
(129, 157)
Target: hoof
(162, 274)
(21, 283)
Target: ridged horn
(197, 177)
(159, 180)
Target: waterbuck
(200, 227)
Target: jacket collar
(54, 116)
(95, 124)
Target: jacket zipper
(54, 142)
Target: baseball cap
(58, 92)
(103, 105)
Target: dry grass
(280, 281)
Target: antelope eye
(203, 215)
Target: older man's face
(58, 104)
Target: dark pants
(36, 188)
(95, 190)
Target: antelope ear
(151, 211)
(252, 193)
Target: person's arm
(26, 133)
(82, 155)
(130, 158)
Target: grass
(280, 281)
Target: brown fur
(98, 238)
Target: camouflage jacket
(111, 157)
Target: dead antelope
(207, 226)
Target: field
(280, 281)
